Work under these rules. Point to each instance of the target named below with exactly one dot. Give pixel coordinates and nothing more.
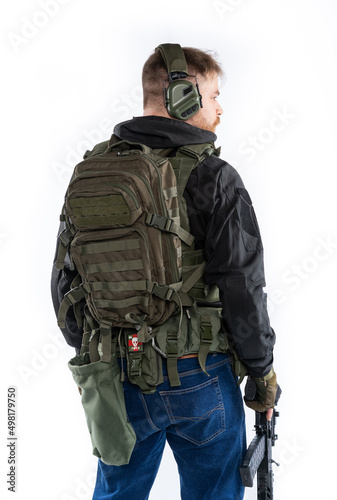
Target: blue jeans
(204, 424)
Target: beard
(200, 122)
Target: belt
(189, 356)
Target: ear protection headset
(182, 98)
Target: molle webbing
(100, 210)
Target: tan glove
(262, 393)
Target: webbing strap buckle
(135, 367)
(169, 226)
(206, 329)
(162, 291)
(76, 294)
(65, 237)
(171, 345)
(159, 222)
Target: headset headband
(174, 60)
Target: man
(203, 419)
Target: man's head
(206, 70)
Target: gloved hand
(262, 393)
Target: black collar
(161, 132)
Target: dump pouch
(112, 435)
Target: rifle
(258, 458)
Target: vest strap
(70, 298)
(195, 276)
(205, 340)
(86, 336)
(172, 358)
(93, 346)
(105, 328)
(65, 237)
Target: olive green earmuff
(182, 98)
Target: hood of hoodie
(161, 132)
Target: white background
(70, 70)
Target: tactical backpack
(127, 234)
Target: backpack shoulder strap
(186, 159)
(97, 150)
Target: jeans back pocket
(197, 413)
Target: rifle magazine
(252, 460)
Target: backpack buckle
(159, 222)
(162, 291)
(206, 329)
(135, 367)
(65, 237)
(76, 294)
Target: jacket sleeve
(234, 262)
(61, 280)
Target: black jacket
(223, 222)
